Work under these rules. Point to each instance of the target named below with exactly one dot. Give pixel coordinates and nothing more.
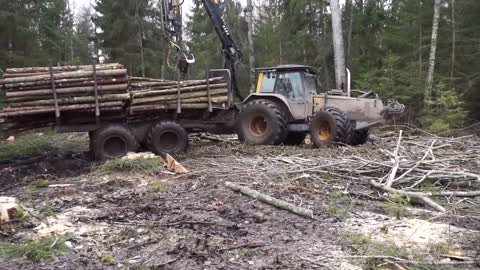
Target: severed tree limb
(393, 173)
(418, 163)
(270, 200)
(422, 197)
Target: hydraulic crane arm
(229, 47)
(171, 19)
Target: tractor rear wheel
(167, 137)
(331, 126)
(112, 141)
(262, 122)
(360, 137)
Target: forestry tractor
(289, 101)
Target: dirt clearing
(151, 219)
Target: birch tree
(338, 45)
(251, 47)
(433, 51)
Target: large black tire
(167, 137)
(360, 137)
(262, 122)
(331, 126)
(295, 138)
(112, 141)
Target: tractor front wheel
(262, 122)
(331, 126)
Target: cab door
(291, 85)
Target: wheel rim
(168, 141)
(324, 131)
(115, 147)
(259, 125)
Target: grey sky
(79, 4)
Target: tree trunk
(251, 47)
(73, 100)
(433, 51)
(338, 46)
(139, 101)
(175, 90)
(420, 37)
(67, 75)
(350, 30)
(62, 68)
(454, 40)
(12, 112)
(73, 90)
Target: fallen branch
(270, 200)
(393, 173)
(423, 197)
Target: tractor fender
(278, 99)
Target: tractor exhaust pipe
(349, 82)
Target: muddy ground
(164, 221)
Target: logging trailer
(288, 103)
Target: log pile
(31, 102)
(152, 94)
(29, 94)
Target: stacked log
(29, 97)
(31, 101)
(29, 91)
(152, 95)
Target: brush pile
(152, 94)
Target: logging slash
(307, 213)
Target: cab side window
(267, 83)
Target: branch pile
(436, 172)
(29, 91)
(152, 94)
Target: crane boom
(171, 19)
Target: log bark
(73, 90)
(66, 75)
(64, 83)
(170, 83)
(73, 100)
(140, 101)
(63, 68)
(16, 75)
(338, 44)
(270, 200)
(158, 107)
(78, 107)
(175, 90)
(415, 195)
(433, 51)
(67, 83)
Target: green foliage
(20, 214)
(438, 249)
(108, 259)
(139, 165)
(25, 146)
(158, 187)
(42, 183)
(396, 206)
(29, 145)
(33, 250)
(363, 245)
(446, 111)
